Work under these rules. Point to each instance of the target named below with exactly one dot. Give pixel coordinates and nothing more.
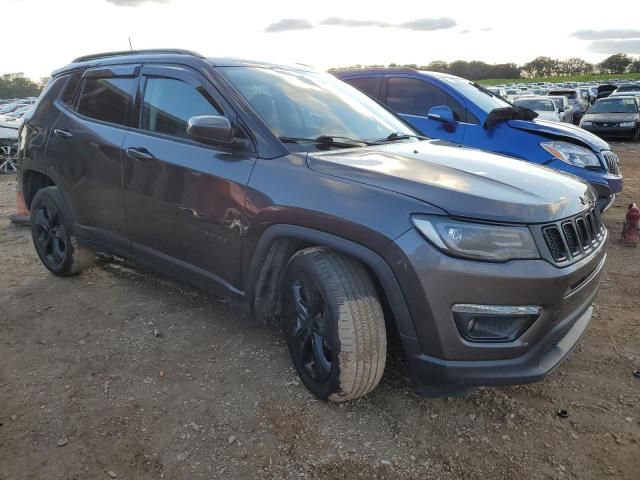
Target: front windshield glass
(614, 105)
(303, 104)
(475, 93)
(539, 105)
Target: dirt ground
(87, 390)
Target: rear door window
(107, 99)
(416, 97)
(368, 85)
(169, 104)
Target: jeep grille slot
(571, 235)
(555, 243)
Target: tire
(334, 324)
(636, 135)
(52, 234)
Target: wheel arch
(279, 242)
(32, 181)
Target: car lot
(214, 395)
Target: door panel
(85, 151)
(184, 199)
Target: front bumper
(442, 361)
(610, 131)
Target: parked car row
(289, 190)
(11, 114)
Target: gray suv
(293, 192)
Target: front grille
(605, 124)
(613, 164)
(574, 238)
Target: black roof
(126, 56)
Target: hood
(462, 181)
(611, 117)
(559, 130)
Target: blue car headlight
(572, 154)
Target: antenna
(130, 46)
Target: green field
(568, 78)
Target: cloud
(420, 24)
(287, 24)
(462, 32)
(606, 34)
(135, 3)
(349, 22)
(429, 24)
(487, 29)
(615, 46)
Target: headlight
(495, 243)
(628, 124)
(585, 124)
(572, 154)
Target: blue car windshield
(479, 96)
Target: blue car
(451, 108)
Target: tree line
(16, 85)
(538, 67)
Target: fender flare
(368, 257)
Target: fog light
(494, 323)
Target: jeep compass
(289, 190)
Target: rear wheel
(334, 324)
(51, 231)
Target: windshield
(535, 104)
(615, 105)
(303, 104)
(475, 93)
(628, 88)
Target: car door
(84, 152)
(413, 97)
(184, 199)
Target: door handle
(62, 133)
(139, 153)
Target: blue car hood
(561, 130)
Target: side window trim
(199, 82)
(125, 71)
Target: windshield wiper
(327, 140)
(392, 137)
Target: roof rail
(175, 51)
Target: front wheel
(636, 135)
(334, 324)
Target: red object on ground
(631, 227)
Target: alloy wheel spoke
(322, 366)
(58, 249)
(41, 220)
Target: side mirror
(210, 129)
(441, 113)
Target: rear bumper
(442, 361)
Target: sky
(42, 35)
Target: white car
(544, 107)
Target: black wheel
(636, 135)
(334, 324)
(52, 235)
